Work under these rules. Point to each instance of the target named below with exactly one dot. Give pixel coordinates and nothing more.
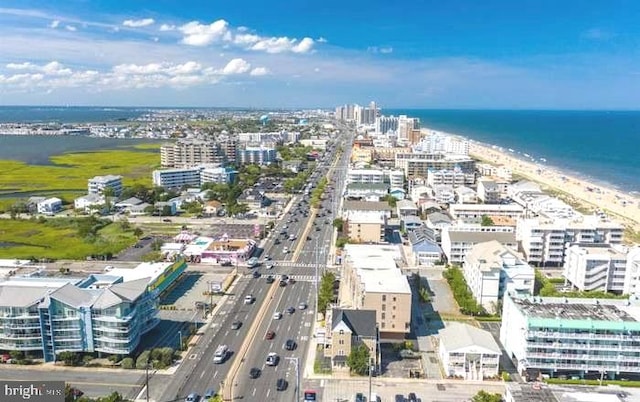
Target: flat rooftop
(150, 270)
(585, 310)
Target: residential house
(89, 202)
(468, 352)
(406, 208)
(49, 206)
(424, 247)
(349, 329)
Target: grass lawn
(69, 172)
(58, 238)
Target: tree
(484, 396)
(325, 292)
(358, 360)
(143, 360)
(70, 358)
(127, 363)
(391, 200)
(338, 223)
(137, 232)
(486, 221)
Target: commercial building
(219, 249)
(458, 240)
(106, 313)
(98, 184)
(491, 270)
(365, 226)
(543, 239)
(49, 206)
(371, 280)
(348, 329)
(603, 267)
(468, 352)
(584, 338)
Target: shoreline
(587, 192)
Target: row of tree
(325, 292)
(461, 292)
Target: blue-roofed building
(410, 222)
(424, 249)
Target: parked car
(192, 397)
(359, 397)
(209, 394)
(412, 397)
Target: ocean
(601, 146)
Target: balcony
(102, 338)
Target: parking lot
(393, 365)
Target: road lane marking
(268, 392)
(202, 375)
(254, 392)
(215, 374)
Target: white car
(272, 359)
(277, 315)
(248, 299)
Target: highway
(198, 373)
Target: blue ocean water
(603, 146)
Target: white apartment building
(444, 194)
(466, 195)
(454, 178)
(50, 206)
(97, 184)
(489, 192)
(436, 142)
(458, 240)
(500, 171)
(603, 267)
(491, 270)
(418, 164)
(191, 177)
(543, 239)
(468, 352)
(259, 155)
(587, 338)
(395, 178)
(473, 213)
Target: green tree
(338, 223)
(325, 292)
(486, 221)
(143, 360)
(484, 396)
(358, 360)
(137, 232)
(127, 363)
(70, 358)
(391, 200)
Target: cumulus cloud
(54, 75)
(54, 24)
(71, 28)
(259, 71)
(145, 22)
(167, 27)
(198, 34)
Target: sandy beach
(625, 207)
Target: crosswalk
(291, 264)
(298, 278)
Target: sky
(454, 54)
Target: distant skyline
(494, 54)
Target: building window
(384, 298)
(341, 342)
(384, 307)
(383, 325)
(394, 298)
(383, 316)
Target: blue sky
(299, 53)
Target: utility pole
(147, 380)
(296, 361)
(370, 374)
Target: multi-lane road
(307, 252)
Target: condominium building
(106, 313)
(468, 352)
(49, 206)
(259, 155)
(418, 164)
(543, 239)
(385, 124)
(489, 192)
(603, 267)
(585, 338)
(371, 280)
(473, 213)
(98, 184)
(458, 240)
(436, 142)
(395, 178)
(492, 269)
(365, 226)
(455, 177)
(192, 177)
(189, 153)
(387, 155)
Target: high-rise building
(189, 153)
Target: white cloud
(71, 28)
(197, 34)
(167, 28)
(259, 71)
(54, 24)
(386, 50)
(145, 22)
(377, 49)
(21, 66)
(236, 66)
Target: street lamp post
(180, 340)
(296, 361)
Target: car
(285, 250)
(272, 359)
(270, 279)
(317, 228)
(166, 220)
(283, 283)
(291, 310)
(256, 274)
(209, 394)
(192, 397)
(302, 306)
(359, 397)
(281, 384)
(276, 241)
(254, 373)
(236, 324)
(399, 398)
(277, 315)
(267, 257)
(270, 265)
(270, 335)
(290, 344)
(249, 299)
(412, 397)
(284, 277)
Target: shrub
(461, 292)
(127, 363)
(143, 360)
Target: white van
(221, 354)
